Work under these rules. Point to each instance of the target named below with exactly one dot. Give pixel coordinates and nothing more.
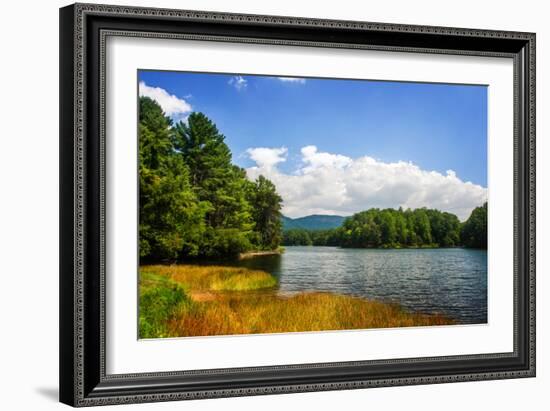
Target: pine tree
(218, 183)
(170, 217)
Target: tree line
(193, 201)
(390, 228)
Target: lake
(451, 281)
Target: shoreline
(253, 254)
(389, 248)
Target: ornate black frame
(83, 30)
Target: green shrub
(160, 300)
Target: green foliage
(474, 230)
(301, 236)
(193, 201)
(159, 301)
(266, 206)
(205, 152)
(170, 215)
(445, 228)
(215, 179)
(154, 134)
(297, 236)
(390, 228)
(224, 242)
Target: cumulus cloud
(174, 107)
(296, 80)
(238, 82)
(266, 158)
(327, 183)
(313, 159)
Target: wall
(29, 205)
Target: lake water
(448, 281)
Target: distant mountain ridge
(313, 222)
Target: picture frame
(84, 30)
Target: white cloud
(296, 80)
(174, 107)
(238, 82)
(267, 158)
(312, 159)
(327, 183)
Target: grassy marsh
(189, 300)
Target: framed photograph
(260, 204)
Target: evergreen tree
(170, 216)
(155, 139)
(218, 183)
(205, 152)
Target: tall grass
(230, 306)
(303, 312)
(214, 277)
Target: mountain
(313, 222)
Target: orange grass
(303, 312)
(215, 312)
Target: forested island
(390, 228)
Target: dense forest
(193, 201)
(390, 228)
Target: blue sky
(435, 127)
